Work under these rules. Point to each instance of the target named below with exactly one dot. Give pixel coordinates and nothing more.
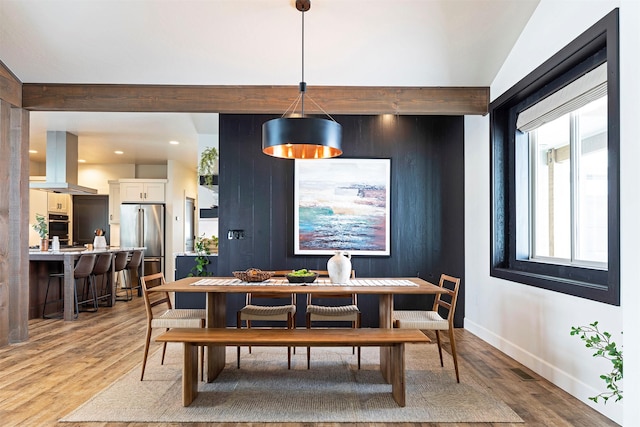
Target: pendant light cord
(303, 84)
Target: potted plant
(201, 247)
(604, 347)
(207, 166)
(43, 231)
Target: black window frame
(510, 160)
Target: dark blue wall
(427, 202)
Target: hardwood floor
(65, 363)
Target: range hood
(62, 165)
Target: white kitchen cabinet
(114, 202)
(58, 203)
(143, 191)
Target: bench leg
(397, 374)
(189, 374)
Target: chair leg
(164, 350)
(452, 340)
(289, 326)
(146, 352)
(358, 323)
(239, 326)
(439, 346)
(202, 362)
(308, 323)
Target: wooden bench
(333, 337)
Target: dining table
(217, 288)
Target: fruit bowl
(308, 277)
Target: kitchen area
(125, 205)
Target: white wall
(537, 331)
(98, 176)
(182, 183)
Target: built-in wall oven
(59, 226)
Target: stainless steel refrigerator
(143, 225)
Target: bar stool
(82, 271)
(132, 266)
(102, 269)
(120, 264)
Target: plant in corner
(606, 348)
(201, 247)
(207, 166)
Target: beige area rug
(263, 390)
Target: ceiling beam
(255, 99)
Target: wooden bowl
(253, 275)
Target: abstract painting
(342, 204)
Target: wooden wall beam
(255, 99)
(10, 87)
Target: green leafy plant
(207, 166)
(41, 226)
(201, 247)
(604, 347)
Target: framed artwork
(342, 204)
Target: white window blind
(578, 93)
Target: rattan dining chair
(169, 318)
(285, 312)
(432, 319)
(332, 312)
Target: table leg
(216, 318)
(69, 284)
(386, 310)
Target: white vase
(339, 267)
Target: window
(555, 195)
(568, 175)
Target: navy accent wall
(427, 202)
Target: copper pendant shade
(302, 137)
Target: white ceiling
(248, 42)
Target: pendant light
(302, 137)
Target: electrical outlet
(235, 234)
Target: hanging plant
(207, 165)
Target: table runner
(318, 282)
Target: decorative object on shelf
(253, 275)
(211, 243)
(302, 276)
(99, 241)
(300, 137)
(207, 167)
(339, 267)
(201, 248)
(604, 347)
(43, 231)
(55, 244)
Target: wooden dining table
(217, 288)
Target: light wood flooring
(65, 363)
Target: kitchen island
(43, 263)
